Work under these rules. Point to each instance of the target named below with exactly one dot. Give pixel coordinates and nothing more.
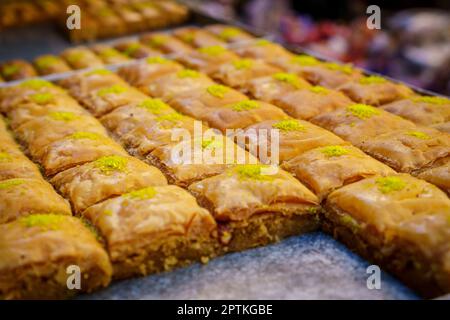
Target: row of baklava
(403, 220)
(21, 13)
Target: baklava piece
(109, 23)
(109, 55)
(133, 21)
(172, 85)
(326, 169)
(424, 110)
(207, 59)
(13, 164)
(327, 74)
(165, 43)
(174, 12)
(197, 37)
(195, 103)
(152, 15)
(106, 177)
(242, 114)
(81, 58)
(143, 73)
(275, 86)
(239, 73)
(409, 150)
(255, 205)
(295, 137)
(16, 70)
(36, 252)
(439, 174)
(21, 197)
(153, 229)
(50, 64)
(359, 122)
(398, 222)
(229, 33)
(444, 126)
(375, 90)
(313, 101)
(136, 50)
(262, 49)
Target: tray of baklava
(88, 176)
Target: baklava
(50, 64)
(398, 222)
(36, 252)
(439, 174)
(109, 55)
(136, 50)
(153, 229)
(13, 164)
(229, 33)
(262, 49)
(16, 70)
(256, 204)
(197, 37)
(165, 43)
(81, 58)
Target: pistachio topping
(334, 151)
(10, 70)
(11, 183)
(84, 135)
(431, 100)
(228, 33)
(289, 125)
(289, 78)
(213, 50)
(242, 64)
(45, 62)
(157, 40)
(114, 89)
(419, 135)
(63, 116)
(217, 90)
(155, 106)
(245, 105)
(372, 80)
(172, 117)
(188, 73)
(344, 68)
(142, 194)
(262, 42)
(132, 48)
(252, 171)
(109, 52)
(42, 98)
(156, 60)
(109, 164)
(319, 90)
(390, 184)
(44, 221)
(305, 60)
(100, 72)
(36, 84)
(363, 111)
(5, 157)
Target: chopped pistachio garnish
(345, 68)
(85, 135)
(92, 229)
(252, 171)
(289, 78)
(63, 116)
(363, 111)
(419, 135)
(188, 37)
(262, 42)
(109, 53)
(132, 48)
(155, 106)
(217, 90)
(43, 221)
(305, 60)
(42, 98)
(211, 143)
(157, 40)
(107, 213)
(157, 60)
(242, 64)
(114, 89)
(289, 125)
(319, 90)
(45, 62)
(36, 84)
(245, 105)
(228, 33)
(10, 70)
(372, 80)
(212, 50)
(334, 151)
(172, 117)
(109, 164)
(142, 194)
(100, 72)
(11, 183)
(431, 100)
(5, 157)
(390, 184)
(188, 73)
(75, 56)
(349, 221)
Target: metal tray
(311, 266)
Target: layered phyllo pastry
(327, 74)
(109, 55)
(207, 59)
(310, 102)
(398, 222)
(152, 16)
(239, 73)
(275, 86)
(16, 70)
(438, 174)
(24, 196)
(409, 150)
(229, 33)
(13, 164)
(425, 110)
(197, 37)
(375, 90)
(262, 49)
(256, 204)
(37, 251)
(165, 43)
(106, 177)
(195, 103)
(109, 22)
(172, 12)
(359, 122)
(81, 58)
(325, 169)
(295, 137)
(153, 229)
(444, 126)
(143, 73)
(242, 114)
(50, 64)
(132, 20)
(136, 50)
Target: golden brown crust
(81, 58)
(13, 164)
(439, 174)
(197, 37)
(35, 252)
(109, 55)
(228, 33)
(104, 178)
(16, 70)
(136, 50)
(262, 49)
(22, 197)
(165, 42)
(49, 64)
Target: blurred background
(413, 44)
